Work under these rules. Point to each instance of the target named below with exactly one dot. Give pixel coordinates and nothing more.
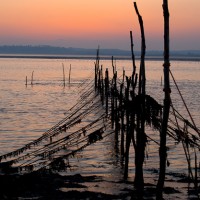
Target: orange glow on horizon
(94, 19)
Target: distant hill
(51, 50)
(70, 51)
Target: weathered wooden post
(63, 74)
(102, 86)
(132, 53)
(166, 109)
(133, 83)
(106, 88)
(112, 106)
(140, 132)
(96, 68)
(121, 107)
(95, 75)
(128, 134)
(26, 81)
(32, 78)
(116, 113)
(69, 74)
(99, 81)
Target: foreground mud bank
(54, 186)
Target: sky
(89, 23)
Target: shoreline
(48, 185)
(93, 57)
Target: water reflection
(27, 112)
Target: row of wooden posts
(130, 108)
(64, 79)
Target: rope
(184, 102)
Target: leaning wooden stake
(132, 53)
(166, 109)
(140, 130)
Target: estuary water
(27, 111)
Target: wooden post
(99, 81)
(32, 78)
(140, 133)
(128, 134)
(97, 68)
(112, 107)
(166, 109)
(69, 74)
(121, 107)
(132, 53)
(95, 74)
(102, 86)
(63, 74)
(26, 81)
(116, 109)
(106, 88)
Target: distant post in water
(32, 78)
(26, 81)
(63, 74)
(69, 74)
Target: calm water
(27, 112)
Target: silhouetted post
(112, 106)
(140, 133)
(113, 66)
(123, 76)
(102, 86)
(166, 109)
(32, 78)
(97, 68)
(121, 107)
(99, 81)
(128, 134)
(26, 81)
(132, 53)
(69, 74)
(133, 82)
(106, 88)
(63, 74)
(95, 75)
(116, 108)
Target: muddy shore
(54, 186)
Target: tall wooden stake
(167, 91)
(132, 53)
(140, 133)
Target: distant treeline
(52, 50)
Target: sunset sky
(89, 23)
